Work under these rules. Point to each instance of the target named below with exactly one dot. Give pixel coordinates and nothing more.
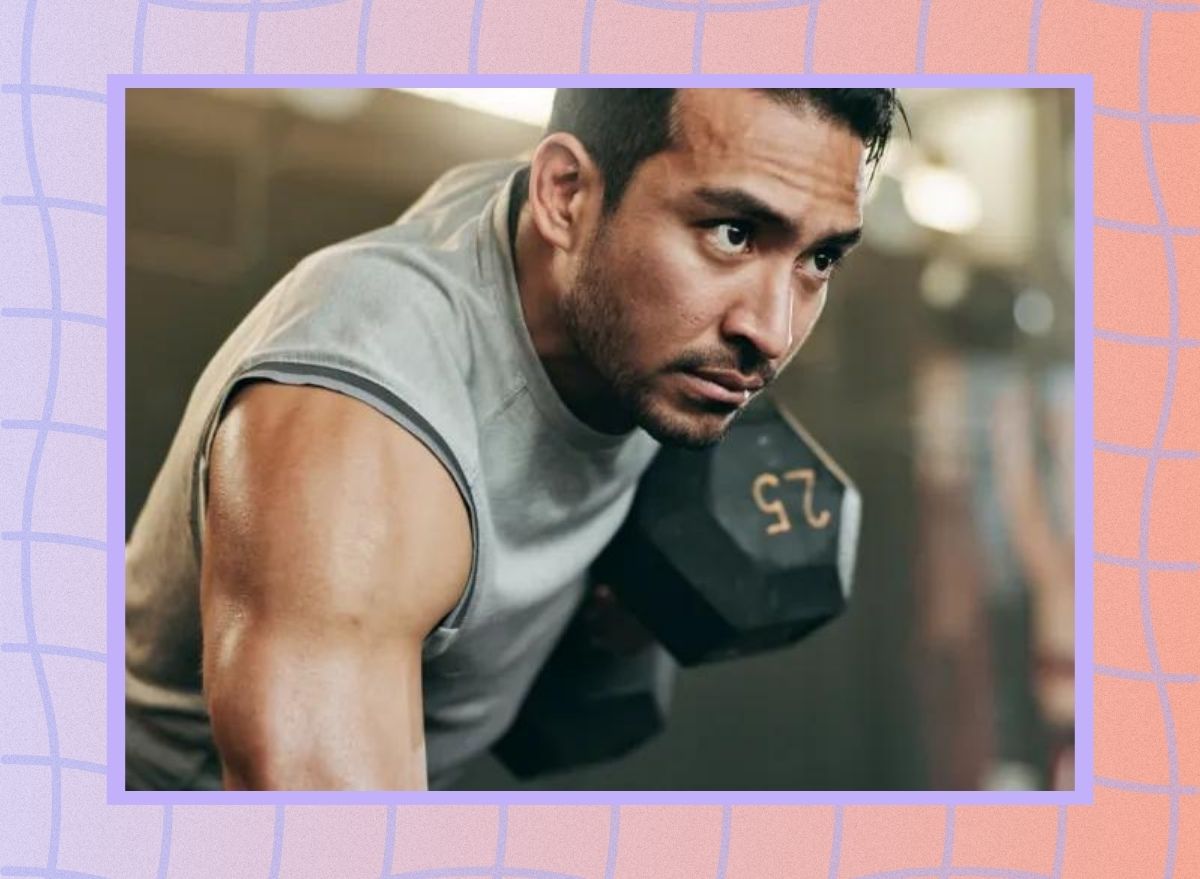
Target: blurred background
(940, 378)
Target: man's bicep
(335, 541)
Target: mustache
(748, 363)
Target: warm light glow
(942, 199)
(325, 105)
(944, 282)
(531, 106)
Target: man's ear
(566, 191)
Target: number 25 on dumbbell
(776, 508)
(741, 547)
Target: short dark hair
(622, 127)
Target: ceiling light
(941, 199)
(531, 106)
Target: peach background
(54, 55)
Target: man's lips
(726, 387)
(731, 380)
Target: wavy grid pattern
(1147, 563)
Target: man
(377, 514)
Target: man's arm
(334, 543)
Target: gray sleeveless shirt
(422, 321)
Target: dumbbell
(746, 546)
(604, 691)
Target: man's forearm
(324, 756)
(330, 717)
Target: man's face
(713, 269)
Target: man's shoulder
(399, 316)
(427, 261)
(381, 288)
(386, 264)
(461, 191)
(386, 308)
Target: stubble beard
(597, 327)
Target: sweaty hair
(622, 127)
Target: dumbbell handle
(610, 627)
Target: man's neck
(579, 386)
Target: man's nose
(762, 316)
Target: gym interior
(940, 377)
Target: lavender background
(59, 349)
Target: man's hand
(610, 627)
(335, 542)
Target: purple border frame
(1082, 85)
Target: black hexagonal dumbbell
(741, 547)
(605, 690)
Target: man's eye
(824, 262)
(731, 238)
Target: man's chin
(694, 427)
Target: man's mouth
(725, 387)
(731, 380)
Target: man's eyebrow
(844, 240)
(741, 202)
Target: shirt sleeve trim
(380, 398)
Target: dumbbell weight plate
(742, 547)
(588, 705)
